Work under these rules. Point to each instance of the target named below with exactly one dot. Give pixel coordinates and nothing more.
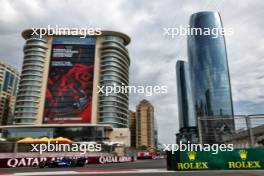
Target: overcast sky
(153, 55)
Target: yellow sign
(191, 155)
(238, 159)
(244, 164)
(196, 165)
(243, 154)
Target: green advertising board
(238, 159)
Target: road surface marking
(80, 172)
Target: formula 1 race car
(64, 162)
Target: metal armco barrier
(238, 159)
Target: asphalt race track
(141, 167)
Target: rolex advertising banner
(240, 159)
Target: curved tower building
(114, 71)
(60, 91)
(61, 75)
(31, 82)
(210, 77)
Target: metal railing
(240, 130)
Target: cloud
(153, 56)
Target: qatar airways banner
(70, 81)
(33, 162)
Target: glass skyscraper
(185, 98)
(187, 118)
(210, 77)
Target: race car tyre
(73, 163)
(42, 164)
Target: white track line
(87, 172)
(91, 172)
(46, 173)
